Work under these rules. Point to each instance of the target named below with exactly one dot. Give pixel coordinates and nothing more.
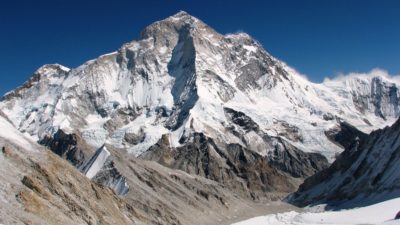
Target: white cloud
(376, 72)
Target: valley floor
(246, 210)
(379, 214)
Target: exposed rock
(182, 68)
(110, 177)
(383, 97)
(42, 188)
(119, 117)
(242, 120)
(100, 168)
(288, 131)
(293, 161)
(67, 146)
(328, 116)
(345, 134)
(135, 138)
(279, 153)
(236, 167)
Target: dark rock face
(328, 116)
(182, 68)
(384, 96)
(250, 73)
(397, 216)
(225, 91)
(241, 119)
(345, 135)
(120, 116)
(66, 146)
(101, 169)
(288, 131)
(368, 167)
(133, 138)
(236, 166)
(69, 147)
(233, 166)
(254, 68)
(281, 154)
(293, 161)
(109, 176)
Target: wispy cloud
(376, 72)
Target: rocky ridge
(39, 187)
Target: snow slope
(381, 213)
(8, 132)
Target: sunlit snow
(379, 214)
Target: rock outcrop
(239, 168)
(100, 168)
(39, 187)
(68, 146)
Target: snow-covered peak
(376, 91)
(50, 69)
(182, 15)
(177, 79)
(180, 23)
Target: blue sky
(318, 38)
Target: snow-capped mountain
(366, 172)
(183, 84)
(38, 187)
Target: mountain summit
(211, 104)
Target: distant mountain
(368, 171)
(214, 105)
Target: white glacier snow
(378, 214)
(8, 131)
(91, 167)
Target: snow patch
(95, 163)
(9, 132)
(381, 213)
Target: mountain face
(209, 104)
(39, 187)
(367, 171)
